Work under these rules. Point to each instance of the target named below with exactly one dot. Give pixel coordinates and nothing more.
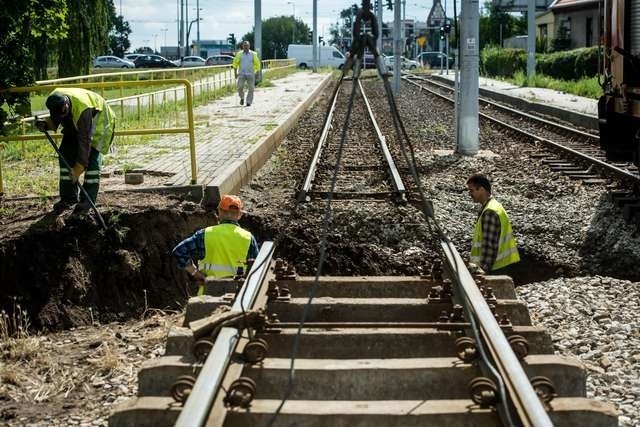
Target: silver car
(190, 61)
(112, 62)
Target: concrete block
(148, 411)
(179, 342)
(133, 178)
(386, 379)
(381, 310)
(202, 306)
(337, 343)
(569, 412)
(156, 376)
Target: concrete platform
(577, 110)
(232, 141)
(566, 412)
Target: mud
(64, 270)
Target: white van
(327, 56)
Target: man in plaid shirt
(493, 247)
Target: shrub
(498, 62)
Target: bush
(498, 62)
(567, 65)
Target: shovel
(64, 161)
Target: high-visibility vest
(225, 249)
(255, 59)
(507, 250)
(104, 121)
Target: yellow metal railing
(222, 76)
(189, 103)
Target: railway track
(565, 150)
(280, 350)
(369, 170)
(386, 351)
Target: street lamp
(293, 33)
(155, 43)
(164, 30)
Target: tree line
(69, 33)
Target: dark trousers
(69, 190)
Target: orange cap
(229, 202)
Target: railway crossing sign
(436, 15)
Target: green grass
(31, 167)
(587, 87)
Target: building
(208, 48)
(571, 24)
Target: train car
(619, 107)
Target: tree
(278, 33)
(495, 18)
(89, 22)
(24, 25)
(119, 36)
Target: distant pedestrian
(493, 247)
(88, 125)
(222, 248)
(245, 66)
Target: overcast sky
(152, 21)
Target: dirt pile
(65, 270)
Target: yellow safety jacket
(256, 61)
(507, 250)
(103, 123)
(225, 249)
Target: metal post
(531, 40)
(379, 17)
(315, 36)
(468, 125)
(198, 25)
(186, 24)
(182, 29)
(397, 46)
(257, 23)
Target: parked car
(190, 61)
(432, 59)
(405, 64)
(133, 56)
(219, 60)
(153, 61)
(111, 62)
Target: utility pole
(397, 46)
(198, 24)
(468, 117)
(379, 16)
(315, 36)
(257, 35)
(182, 30)
(531, 40)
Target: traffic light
(232, 39)
(390, 4)
(320, 40)
(441, 33)
(447, 28)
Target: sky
(154, 22)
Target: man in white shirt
(245, 65)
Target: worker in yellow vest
(493, 247)
(88, 124)
(219, 250)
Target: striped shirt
(490, 238)
(191, 249)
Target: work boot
(82, 208)
(62, 205)
(241, 101)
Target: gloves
(42, 125)
(76, 171)
(197, 276)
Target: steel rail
(396, 181)
(526, 402)
(607, 167)
(208, 384)
(594, 138)
(313, 166)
